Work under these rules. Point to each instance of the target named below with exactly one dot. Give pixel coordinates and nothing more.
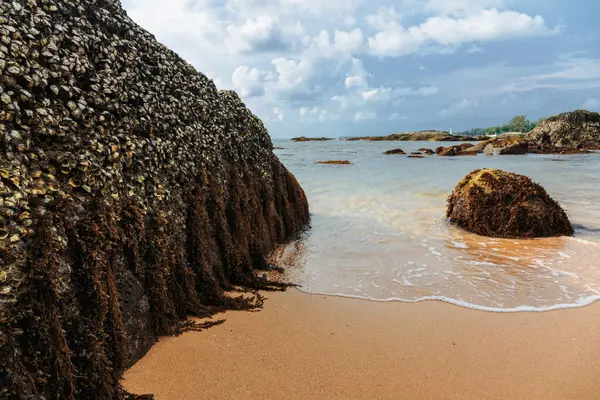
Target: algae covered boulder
(133, 194)
(506, 147)
(576, 129)
(492, 202)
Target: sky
(374, 67)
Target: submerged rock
(335, 162)
(426, 151)
(576, 129)
(133, 194)
(394, 152)
(496, 203)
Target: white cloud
(312, 60)
(474, 49)
(279, 114)
(384, 18)
(357, 77)
(460, 7)
(313, 114)
(364, 115)
(445, 31)
(249, 82)
(263, 34)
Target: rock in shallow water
(506, 147)
(492, 202)
(394, 152)
(335, 162)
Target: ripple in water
(378, 233)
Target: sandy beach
(303, 346)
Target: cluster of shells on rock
(86, 111)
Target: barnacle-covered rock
(132, 193)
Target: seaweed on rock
(496, 203)
(133, 194)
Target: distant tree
(518, 123)
(539, 121)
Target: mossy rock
(492, 202)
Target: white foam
(581, 302)
(434, 251)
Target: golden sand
(304, 346)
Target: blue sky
(373, 67)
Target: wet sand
(303, 346)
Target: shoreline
(587, 301)
(313, 346)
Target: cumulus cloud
(354, 60)
(249, 82)
(447, 30)
(460, 7)
(263, 34)
(314, 114)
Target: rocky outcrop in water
(576, 129)
(394, 152)
(133, 193)
(435, 136)
(506, 147)
(496, 203)
(310, 139)
(452, 151)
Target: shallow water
(379, 230)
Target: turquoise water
(379, 231)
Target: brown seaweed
(133, 195)
(496, 203)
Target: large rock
(133, 194)
(479, 147)
(576, 129)
(496, 203)
(450, 151)
(394, 152)
(505, 147)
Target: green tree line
(519, 123)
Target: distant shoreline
(430, 136)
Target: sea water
(379, 230)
